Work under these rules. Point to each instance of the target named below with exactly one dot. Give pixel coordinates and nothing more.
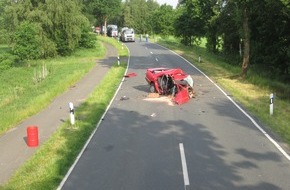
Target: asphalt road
(149, 144)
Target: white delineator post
(72, 113)
(118, 60)
(271, 103)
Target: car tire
(152, 88)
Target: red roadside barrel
(32, 136)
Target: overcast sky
(168, 2)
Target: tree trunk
(105, 23)
(246, 56)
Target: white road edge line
(156, 59)
(285, 154)
(97, 126)
(184, 165)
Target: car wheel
(152, 88)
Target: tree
(270, 36)
(104, 9)
(67, 24)
(138, 14)
(264, 29)
(227, 28)
(27, 41)
(183, 25)
(247, 36)
(209, 13)
(152, 7)
(60, 24)
(3, 33)
(127, 19)
(233, 23)
(194, 14)
(163, 19)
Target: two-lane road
(207, 143)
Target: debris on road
(153, 95)
(130, 75)
(124, 98)
(161, 99)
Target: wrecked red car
(174, 82)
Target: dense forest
(250, 33)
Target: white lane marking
(156, 59)
(275, 143)
(184, 166)
(93, 133)
(146, 48)
(151, 52)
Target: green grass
(122, 50)
(252, 92)
(52, 160)
(3, 48)
(23, 92)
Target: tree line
(250, 33)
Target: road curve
(150, 144)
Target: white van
(128, 35)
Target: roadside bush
(7, 61)
(27, 43)
(3, 36)
(48, 48)
(88, 40)
(63, 45)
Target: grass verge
(49, 164)
(24, 89)
(252, 92)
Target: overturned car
(174, 82)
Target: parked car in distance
(128, 35)
(174, 82)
